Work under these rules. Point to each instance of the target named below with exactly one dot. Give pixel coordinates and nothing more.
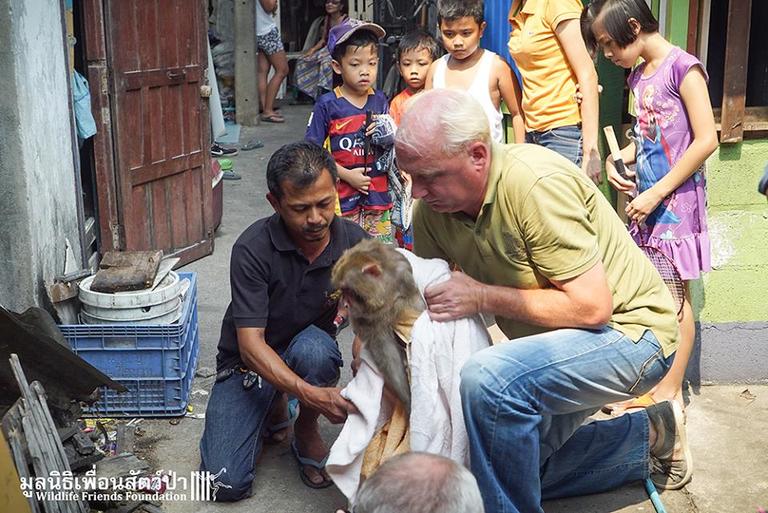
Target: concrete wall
(37, 177)
(731, 301)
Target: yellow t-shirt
(549, 83)
(543, 219)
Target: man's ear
(479, 153)
(273, 201)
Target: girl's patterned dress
(662, 133)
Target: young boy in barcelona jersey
(352, 121)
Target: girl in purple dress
(674, 133)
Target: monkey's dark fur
(378, 284)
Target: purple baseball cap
(345, 29)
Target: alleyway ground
(727, 429)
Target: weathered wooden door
(156, 55)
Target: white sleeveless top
(478, 90)
(264, 20)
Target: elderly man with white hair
(589, 319)
(419, 482)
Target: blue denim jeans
(525, 402)
(235, 417)
(565, 140)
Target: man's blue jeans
(235, 418)
(524, 405)
(565, 140)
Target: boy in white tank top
(481, 73)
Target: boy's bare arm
(269, 5)
(428, 83)
(512, 96)
(356, 177)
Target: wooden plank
(166, 168)
(137, 79)
(103, 159)
(93, 24)
(693, 26)
(246, 83)
(161, 221)
(193, 252)
(735, 73)
(43, 442)
(755, 119)
(128, 270)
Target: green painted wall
(677, 22)
(735, 290)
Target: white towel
(438, 351)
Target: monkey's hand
(328, 401)
(460, 296)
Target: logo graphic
(200, 486)
(213, 481)
(340, 126)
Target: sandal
(308, 462)
(273, 118)
(253, 144)
(270, 432)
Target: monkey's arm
(581, 302)
(357, 345)
(262, 359)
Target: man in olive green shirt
(588, 317)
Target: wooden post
(735, 73)
(693, 27)
(246, 63)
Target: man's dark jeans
(235, 417)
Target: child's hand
(382, 130)
(591, 165)
(641, 207)
(580, 97)
(358, 179)
(370, 129)
(616, 180)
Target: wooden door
(157, 58)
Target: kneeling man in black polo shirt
(277, 336)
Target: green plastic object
(226, 164)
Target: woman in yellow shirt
(545, 42)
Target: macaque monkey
(377, 283)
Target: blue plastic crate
(155, 362)
(149, 397)
(136, 350)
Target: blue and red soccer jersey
(339, 126)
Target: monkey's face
(370, 277)
(362, 293)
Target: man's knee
(484, 378)
(476, 379)
(315, 357)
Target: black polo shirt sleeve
(249, 280)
